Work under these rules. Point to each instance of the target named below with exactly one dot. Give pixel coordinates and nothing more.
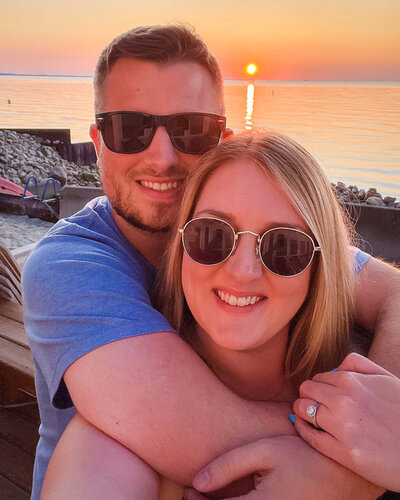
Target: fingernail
(334, 369)
(201, 480)
(292, 418)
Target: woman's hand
(359, 416)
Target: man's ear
(227, 134)
(94, 135)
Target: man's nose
(161, 154)
(245, 263)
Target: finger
(235, 464)
(300, 407)
(191, 494)
(319, 390)
(356, 363)
(321, 441)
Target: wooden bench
(16, 364)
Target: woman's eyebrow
(228, 218)
(215, 213)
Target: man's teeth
(238, 301)
(159, 187)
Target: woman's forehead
(246, 193)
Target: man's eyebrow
(229, 218)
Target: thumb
(235, 464)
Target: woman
(259, 277)
(293, 261)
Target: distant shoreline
(236, 80)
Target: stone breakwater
(23, 155)
(354, 195)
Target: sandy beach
(20, 230)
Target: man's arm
(153, 392)
(154, 395)
(378, 311)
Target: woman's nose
(245, 263)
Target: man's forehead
(149, 87)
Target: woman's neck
(257, 374)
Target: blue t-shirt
(84, 285)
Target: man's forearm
(378, 311)
(154, 395)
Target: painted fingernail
(201, 480)
(292, 418)
(334, 369)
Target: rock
(50, 188)
(375, 201)
(59, 173)
(389, 200)
(361, 194)
(89, 176)
(372, 192)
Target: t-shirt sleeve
(360, 259)
(76, 301)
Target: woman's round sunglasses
(128, 132)
(283, 250)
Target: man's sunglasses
(129, 132)
(283, 250)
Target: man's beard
(134, 220)
(132, 215)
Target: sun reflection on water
(249, 107)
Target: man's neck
(150, 245)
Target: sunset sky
(287, 39)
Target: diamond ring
(311, 411)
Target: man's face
(146, 188)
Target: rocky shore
(23, 155)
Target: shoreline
(23, 155)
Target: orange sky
(287, 39)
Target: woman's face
(242, 194)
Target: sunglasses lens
(208, 241)
(194, 133)
(127, 132)
(286, 252)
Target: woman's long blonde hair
(319, 334)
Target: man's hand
(360, 414)
(284, 468)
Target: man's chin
(149, 227)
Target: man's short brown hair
(161, 44)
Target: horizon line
(225, 79)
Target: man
(87, 285)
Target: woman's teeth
(159, 187)
(238, 301)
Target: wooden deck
(18, 439)
(19, 416)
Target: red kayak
(8, 187)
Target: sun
(251, 69)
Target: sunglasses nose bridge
(248, 232)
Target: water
(353, 129)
